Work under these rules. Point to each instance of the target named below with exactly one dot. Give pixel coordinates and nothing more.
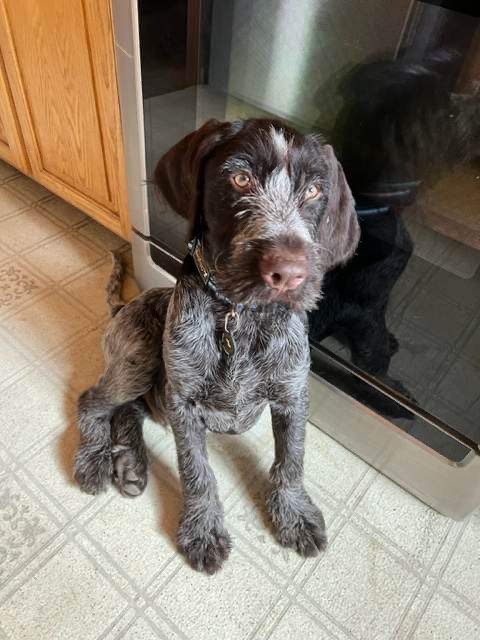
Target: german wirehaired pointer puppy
(270, 213)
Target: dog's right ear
(179, 172)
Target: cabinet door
(60, 60)
(11, 145)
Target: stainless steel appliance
(395, 86)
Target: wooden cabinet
(11, 143)
(60, 63)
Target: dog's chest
(238, 385)
(228, 392)
(239, 379)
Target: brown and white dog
(270, 214)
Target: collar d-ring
(231, 315)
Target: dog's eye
(313, 192)
(241, 180)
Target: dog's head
(272, 205)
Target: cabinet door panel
(61, 66)
(11, 144)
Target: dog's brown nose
(283, 271)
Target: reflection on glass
(395, 88)
(405, 309)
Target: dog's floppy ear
(179, 172)
(339, 231)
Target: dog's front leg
(297, 520)
(201, 536)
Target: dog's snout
(283, 271)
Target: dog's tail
(114, 285)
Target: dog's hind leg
(133, 353)
(123, 382)
(129, 454)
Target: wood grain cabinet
(59, 67)
(11, 142)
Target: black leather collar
(195, 249)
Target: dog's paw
(93, 468)
(306, 535)
(129, 470)
(298, 523)
(206, 551)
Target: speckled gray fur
(163, 349)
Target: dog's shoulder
(285, 324)
(146, 313)
(190, 301)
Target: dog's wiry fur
(163, 349)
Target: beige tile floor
(77, 567)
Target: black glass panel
(395, 88)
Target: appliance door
(394, 87)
